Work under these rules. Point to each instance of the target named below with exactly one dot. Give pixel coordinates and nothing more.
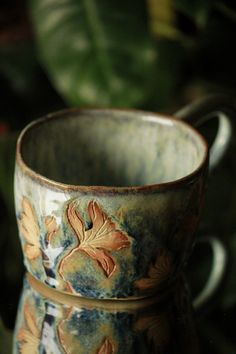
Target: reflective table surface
(51, 322)
(35, 319)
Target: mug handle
(214, 106)
(222, 107)
(218, 270)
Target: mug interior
(111, 148)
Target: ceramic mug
(108, 201)
(51, 322)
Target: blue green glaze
(142, 174)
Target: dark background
(149, 54)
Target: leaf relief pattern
(158, 272)
(103, 237)
(51, 227)
(106, 347)
(157, 330)
(29, 334)
(29, 229)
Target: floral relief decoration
(106, 347)
(38, 241)
(29, 229)
(51, 227)
(29, 334)
(97, 241)
(103, 237)
(156, 328)
(158, 272)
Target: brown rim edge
(108, 189)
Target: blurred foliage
(24, 88)
(101, 53)
(120, 54)
(151, 54)
(5, 339)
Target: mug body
(107, 201)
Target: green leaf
(162, 19)
(17, 64)
(226, 10)
(198, 10)
(96, 52)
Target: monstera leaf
(103, 53)
(96, 52)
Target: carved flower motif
(156, 328)
(29, 229)
(106, 347)
(29, 335)
(102, 238)
(50, 253)
(158, 272)
(51, 227)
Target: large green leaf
(96, 52)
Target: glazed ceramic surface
(107, 201)
(47, 326)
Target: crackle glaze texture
(46, 326)
(107, 202)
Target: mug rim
(103, 188)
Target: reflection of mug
(51, 322)
(107, 201)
